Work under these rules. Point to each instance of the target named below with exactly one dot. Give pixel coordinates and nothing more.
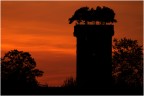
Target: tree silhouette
(80, 15)
(96, 14)
(69, 82)
(106, 15)
(92, 16)
(18, 70)
(84, 14)
(127, 62)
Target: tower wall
(94, 55)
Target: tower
(94, 55)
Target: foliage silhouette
(79, 15)
(18, 71)
(84, 14)
(127, 63)
(69, 83)
(106, 15)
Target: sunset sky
(42, 29)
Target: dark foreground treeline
(73, 91)
(69, 87)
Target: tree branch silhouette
(18, 70)
(127, 63)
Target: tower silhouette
(94, 56)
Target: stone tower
(94, 55)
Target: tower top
(84, 15)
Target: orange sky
(42, 29)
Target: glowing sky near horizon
(42, 29)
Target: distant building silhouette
(94, 56)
